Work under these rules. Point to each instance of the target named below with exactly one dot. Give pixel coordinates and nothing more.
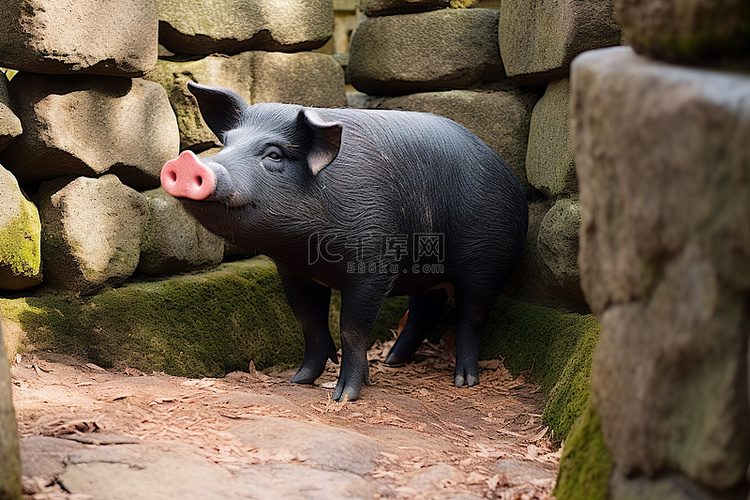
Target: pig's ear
(326, 139)
(222, 109)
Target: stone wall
(663, 164)
(503, 74)
(92, 115)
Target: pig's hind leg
(424, 311)
(310, 303)
(472, 311)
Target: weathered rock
(687, 30)
(20, 237)
(82, 36)
(143, 472)
(314, 443)
(557, 244)
(665, 160)
(174, 241)
(501, 119)
(228, 26)
(91, 232)
(10, 472)
(550, 164)
(440, 50)
(10, 125)
(538, 38)
(662, 160)
(309, 79)
(388, 7)
(89, 125)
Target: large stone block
(687, 30)
(10, 472)
(389, 7)
(557, 244)
(309, 79)
(174, 241)
(539, 38)
(89, 125)
(663, 162)
(441, 50)
(20, 237)
(501, 118)
(92, 231)
(664, 155)
(550, 164)
(203, 27)
(83, 36)
(10, 125)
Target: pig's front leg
(360, 306)
(310, 303)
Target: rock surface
(557, 244)
(83, 36)
(10, 125)
(687, 30)
(500, 118)
(538, 38)
(91, 232)
(249, 435)
(130, 121)
(10, 472)
(228, 26)
(309, 79)
(550, 164)
(440, 50)
(388, 7)
(20, 237)
(662, 160)
(174, 241)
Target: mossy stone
(203, 324)
(556, 346)
(585, 464)
(20, 237)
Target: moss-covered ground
(555, 346)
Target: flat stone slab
(79, 36)
(539, 38)
(440, 50)
(203, 27)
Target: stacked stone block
(664, 168)
(84, 135)
(486, 69)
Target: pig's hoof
(348, 391)
(306, 375)
(465, 379)
(394, 358)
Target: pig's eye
(272, 159)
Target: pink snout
(187, 177)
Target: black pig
(371, 202)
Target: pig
(373, 203)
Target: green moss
(202, 324)
(20, 243)
(557, 347)
(585, 465)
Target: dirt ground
(430, 439)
